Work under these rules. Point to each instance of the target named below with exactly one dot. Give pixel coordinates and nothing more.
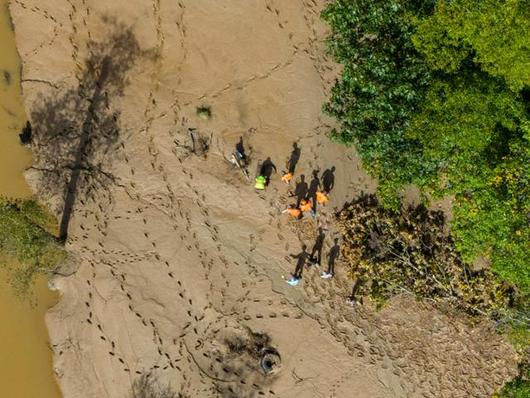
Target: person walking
(264, 174)
(301, 190)
(314, 185)
(317, 248)
(301, 261)
(352, 299)
(333, 255)
(291, 164)
(328, 180)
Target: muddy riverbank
(26, 361)
(181, 262)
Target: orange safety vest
(322, 198)
(294, 212)
(306, 205)
(287, 177)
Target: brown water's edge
(26, 367)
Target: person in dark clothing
(291, 164)
(241, 149)
(266, 169)
(302, 259)
(293, 160)
(313, 189)
(317, 247)
(328, 180)
(333, 255)
(301, 190)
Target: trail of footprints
(173, 352)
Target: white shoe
(326, 275)
(293, 282)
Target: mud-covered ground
(180, 262)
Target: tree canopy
(492, 34)
(436, 93)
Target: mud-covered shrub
(411, 251)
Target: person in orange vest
(322, 198)
(291, 164)
(293, 211)
(306, 205)
(287, 177)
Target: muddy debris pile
(392, 252)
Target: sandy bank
(177, 254)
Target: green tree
(493, 34)
(437, 96)
(382, 84)
(474, 125)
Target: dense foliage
(383, 83)
(25, 237)
(437, 94)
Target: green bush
(26, 237)
(518, 387)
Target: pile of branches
(410, 251)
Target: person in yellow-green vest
(264, 174)
(261, 182)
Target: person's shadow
(313, 188)
(266, 169)
(333, 255)
(301, 190)
(355, 290)
(293, 160)
(302, 259)
(317, 247)
(328, 180)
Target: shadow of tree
(147, 386)
(76, 130)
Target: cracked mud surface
(175, 250)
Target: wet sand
(14, 158)
(178, 256)
(25, 369)
(25, 366)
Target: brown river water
(25, 355)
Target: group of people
(314, 258)
(308, 197)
